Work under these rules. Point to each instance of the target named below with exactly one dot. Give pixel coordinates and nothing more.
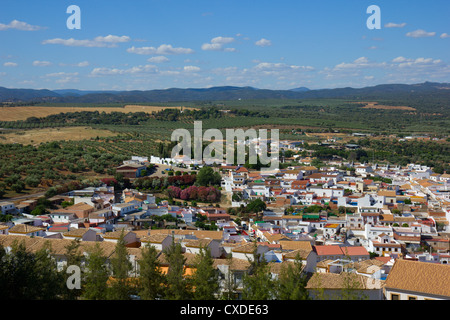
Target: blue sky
(284, 44)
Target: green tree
(292, 282)
(352, 287)
(121, 288)
(28, 275)
(205, 278)
(256, 206)
(51, 192)
(151, 279)
(96, 275)
(32, 181)
(74, 257)
(206, 177)
(258, 283)
(49, 282)
(178, 287)
(17, 278)
(18, 186)
(229, 291)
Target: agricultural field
(38, 136)
(375, 105)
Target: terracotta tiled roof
(236, 264)
(335, 281)
(24, 229)
(423, 277)
(328, 250)
(76, 232)
(197, 243)
(154, 238)
(355, 251)
(295, 245)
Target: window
(395, 296)
(412, 298)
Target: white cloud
(163, 49)
(115, 71)
(112, 39)
(109, 41)
(217, 44)
(61, 74)
(222, 40)
(158, 59)
(10, 64)
(445, 35)
(419, 62)
(420, 34)
(169, 73)
(263, 43)
(277, 67)
(62, 77)
(212, 46)
(19, 25)
(191, 69)
(79, 64)
(361, 62)
(38, 63)
(394, 25)
(82, 64)
(399, 59)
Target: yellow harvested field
(37, 136)
(22, 113)
(375, 105)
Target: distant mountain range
(383, 91)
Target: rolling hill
(382, 91)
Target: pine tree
(292, 282)
(74, 257)
(121, 288)
(19, 266)
(151, 278)
(27, 275)
(96, 275)
(178, 287)
(49, 282)
(352, 287)
(205, 279)
(258, 283)
(230, 287)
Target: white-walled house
(62, 217)
(84, 234)
(27, 230)
(129, 237)
(121, 209)
(7, 207)
(373, 232)
(158, 240)
(245, 251)
(194, 246)
(294, 174)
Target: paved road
(24, 197)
